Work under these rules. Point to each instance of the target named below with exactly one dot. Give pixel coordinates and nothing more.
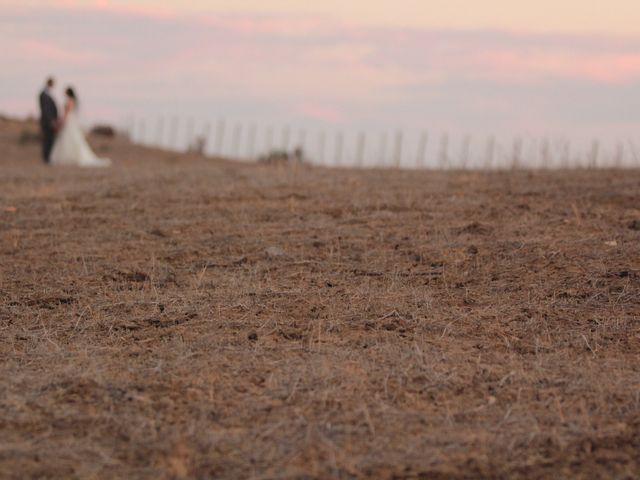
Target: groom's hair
(50, 81)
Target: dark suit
(48, 116)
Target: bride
(71, 147)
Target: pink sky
(568, 16)
(485, 67)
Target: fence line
(398, 149)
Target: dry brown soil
(182, 317)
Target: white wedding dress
(71, 147)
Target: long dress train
(71, 147)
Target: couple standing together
(63, 142)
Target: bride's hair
(72, 95)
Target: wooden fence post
(444, 155)
(422, 149)
(322, 141)
(236, 140)
(593, 156)
(160, 131)
(251, 141)
(206, 131)
(302, 139)
(286, 133)
(220, 137)
(142, 132)
(131, 127)
(491, 149)
(339, 147)
(189, 133)
(360, 149)
(634, 152)
(566, 154)
(544, 153)
(269, 139)
(464, 152)
(173, 133)
(383, 149)
(397, 150)
(516, 159)
(618, 159)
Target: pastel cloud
(51, 52)
(155, 10)
(612, 67)
(417, 52)
(577, 16)
(512, 57)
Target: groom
(48, 119)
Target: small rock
(612, 243)
(275, 252)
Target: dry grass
(177, 317)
